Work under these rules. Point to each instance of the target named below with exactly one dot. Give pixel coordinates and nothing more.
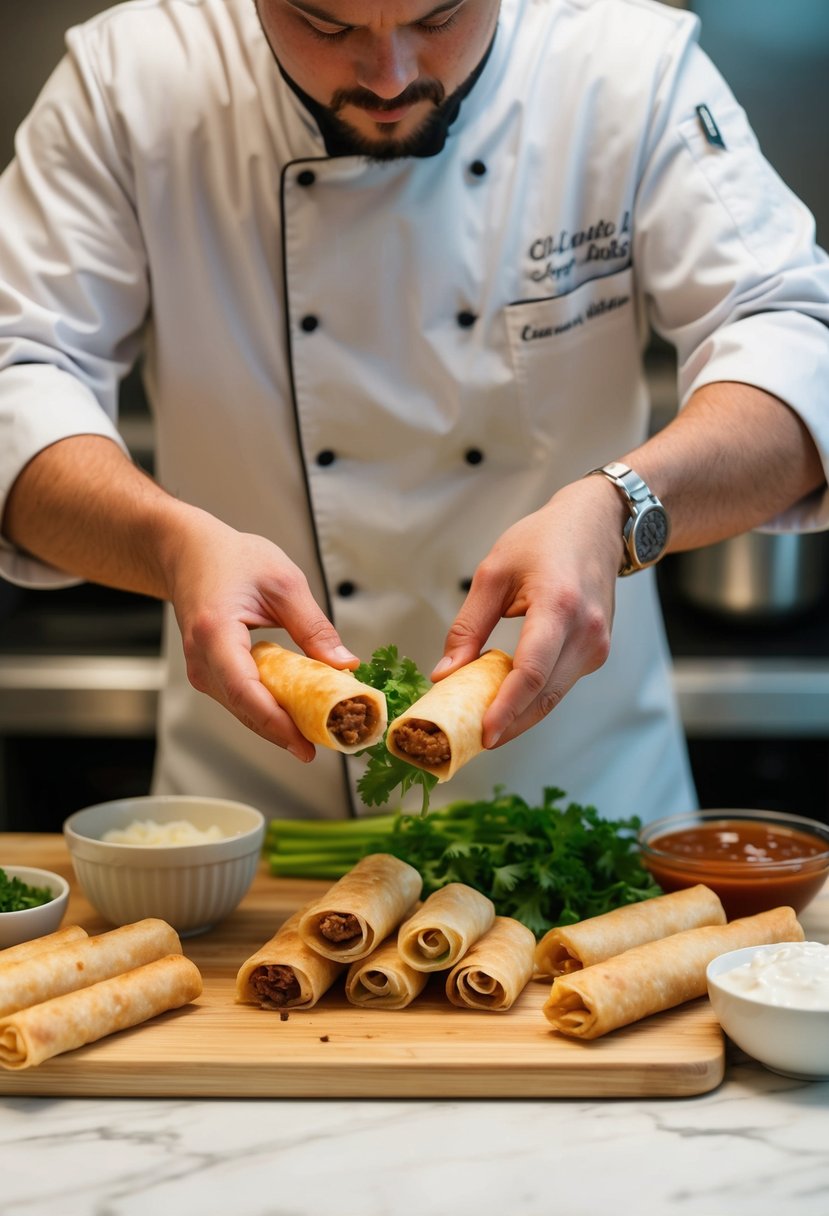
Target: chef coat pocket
(757, 201)
(577, 358)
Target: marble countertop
(757, 1145)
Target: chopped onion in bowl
(148, 832)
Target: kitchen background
(748, 621)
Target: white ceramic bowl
(191, 886)
(29, 923)
(791, 1041)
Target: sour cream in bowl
(773, 1002)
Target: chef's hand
(224, 583)
(557, 568)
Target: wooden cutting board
(215, 1048)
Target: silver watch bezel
(642, 505)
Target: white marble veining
(756, 1145)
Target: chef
(390, 269)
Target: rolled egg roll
(38, 1033)
(493, 974)
(445, 926)
(78, 964)
(361, 909)
(657, 975)
(384, 980)
(14, 954)
(569, 948)
(286, 973)
(442, 730)
(330, 707)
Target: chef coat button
(465, 584)
(309, 323)
(473, 456)
(466, 319)
(477, 168)
(326, 457)
(306, 178)
(346, 589)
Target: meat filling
(353, 720)
(275, 984)
(340, 927)
(424, 742)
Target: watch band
(643, 548)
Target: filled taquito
(443, 729)
(330, 707)
(384, 980)
(657, 975)
(80, 963)
(361, 909)
(493, 974)
(38, 945)
(286, 973)
(445, 926)
(571, 947)
(38, 1033)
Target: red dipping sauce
(754, 860)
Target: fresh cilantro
(401, 682)
(15, 895)
(544, 865)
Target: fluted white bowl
(191, 886)
(29, 923)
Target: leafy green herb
(402, 684)
(544, 865)
(15, 895)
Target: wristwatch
(646, 532)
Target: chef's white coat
(382, 366)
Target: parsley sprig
(543, 864)
(402, 683)
(16, 895)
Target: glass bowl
(753, 860)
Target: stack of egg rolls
(656, 975)
(78, 989)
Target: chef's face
(384, 69)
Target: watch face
(650, 535)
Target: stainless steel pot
(756, 575)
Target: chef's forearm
(733, 459)
(82, 506)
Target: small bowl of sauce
(773, 1002)
(754, 860)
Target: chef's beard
(429, 138)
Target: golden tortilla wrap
(13, 954)
(656, 975)
(285, 973)
(361, 909)
(63, 1023)
(442, 930)
(384, 980)
(330, 707)
(569, 948)
(494, 973)
(442, 730)
(81, 963)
